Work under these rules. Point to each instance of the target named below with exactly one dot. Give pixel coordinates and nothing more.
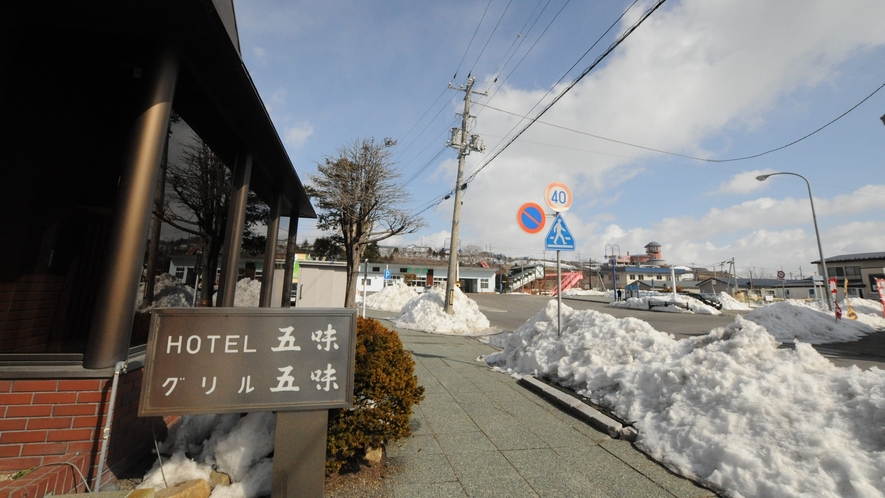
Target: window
(404, 270)
(179, 272)
(483, 283)
(376, 268)
(633, 277)
(641, 277)
(659, 277)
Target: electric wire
(437, 200)
(520, 37)
(694, 158)
(533, 44)
(399, 153)
(471, 40)
(478, 57)
(571, 85)
(552, 87)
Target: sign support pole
(299, 459)
(558, 295)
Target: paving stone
(464, 442)
(496, 488)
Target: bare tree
(197, 202)
(360, 203)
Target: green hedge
(385, 388)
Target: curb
(579, 409)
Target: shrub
(384, 390)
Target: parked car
(708, 299)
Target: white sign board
(558, 197)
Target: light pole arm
(820, 250)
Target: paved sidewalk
(479, 433)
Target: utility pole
(464, 144)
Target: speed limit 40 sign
(558, 197)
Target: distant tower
(653, 249)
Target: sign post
(231, 360)
(560, 238)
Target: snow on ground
(427, 313)
(868, 312)
(392, 297)
(233, 444)
(792, 319)
(169, 292)
(730, 303)
(729, 408)
(581, 292)
(679, 304)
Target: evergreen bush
(385, 388)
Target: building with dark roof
(860, 269)
(87, 90)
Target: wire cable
(471, 40)
(556, 99)
(704, 159)
(478, 57)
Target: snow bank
(427, 313)
(683, 304)
(792, 319)
(729, 408)
(392, 297)
(236, 445)
(581, 292)
(169, 292)
(868, 312)
(730, 303)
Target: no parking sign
(531, 217)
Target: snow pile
(730, 303)
(581, 292)
(868, 312)
(729, 408)
(169, 292)
(792, 319)
(392, 297)
(248, 293)
(237, 446)
(679, 304)
(428, 313)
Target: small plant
(384, 390)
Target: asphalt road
(508, 311)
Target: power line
(704, 159)
(490, 36)
(556, 99)
(471, 40)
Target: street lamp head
(762, 178)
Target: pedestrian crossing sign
(559, 237)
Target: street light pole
(820, 251)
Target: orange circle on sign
(531, 217)
(558, 196)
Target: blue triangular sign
(559, 237)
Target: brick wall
(59, 423)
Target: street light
(820, 251)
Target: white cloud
(296, 136)
(742, 183)
(688, 74)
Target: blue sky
(716, 80)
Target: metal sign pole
(558, 296)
